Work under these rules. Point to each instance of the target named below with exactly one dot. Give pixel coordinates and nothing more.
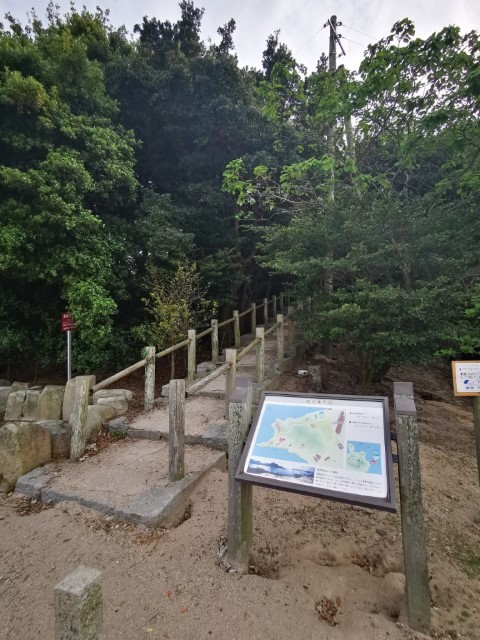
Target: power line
(361, 32)
(364, 46)
(308, 41)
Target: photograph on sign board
(331, 444)
(466, 377)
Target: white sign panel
(466, 377)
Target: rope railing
(190, 343)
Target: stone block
(165, 390)
(216, 435)
(19, 386)
(119, 426)
(116, 398)
(4, 393)
(78, 606)
(33, 483)
(15, 405)
(23, 446)
(97, 415)
(204, 368)
(50, 403)
(69, 397)
(60, 436)
(30, 406)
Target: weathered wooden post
(176, 430)
(260, 355)
(79, 423)
(265, 311)
(239, 527)
(149, 378)
(476, 427)
(280, 302)
(291, 327)
(78, 606)
(280, 340)
(274, 307)
(414, 548)
(236, 329)
(230, 377)
(192, 355)
(215, 341)
(254, 318)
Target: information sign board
(331, 446)
(466, 377)
(68, 323)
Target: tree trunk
(365, 372)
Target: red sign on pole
(68, 323)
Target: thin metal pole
(69, 355)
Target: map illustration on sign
(315, 435)
(332, 444)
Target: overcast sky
(300, 21)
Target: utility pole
(332, 49)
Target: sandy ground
(319, 569)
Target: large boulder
(60, 436)
(30, 406)
(19, 386)
(69, 397)
(116, 398)
(23, 446)
(4, 393)
(15, 405)
(50, 402)
(97, 415)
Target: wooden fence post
(80, 412)
(476, 427)
(254, 318)
(260, 355)
(414, 548)
(230, 377)
(149, 378)
(176, 430)
(280, 340)
(236, 329)
(239, 528)
(265, 311)
(280, 303)
(192, 355)
(215, 341)
(78, 606)
(274, 307)
(291, 327)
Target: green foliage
(175, 303)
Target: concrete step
(128, 481)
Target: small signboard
(330, 446)
(466, 377)
(68, 323)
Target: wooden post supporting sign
(414, 548)
(230, 378)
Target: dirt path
(310, 556)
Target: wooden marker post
(239, 526)
(414, 548)
(176, 430)
(291, 327)
(236, 329)
(260, 355)
(80, 412)
(274, 307)
(230, 378)
(280, 340)
(254, 318)
(215, 341)
(265, 312)
(280, 303)
(149, 378)
(192, 355)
